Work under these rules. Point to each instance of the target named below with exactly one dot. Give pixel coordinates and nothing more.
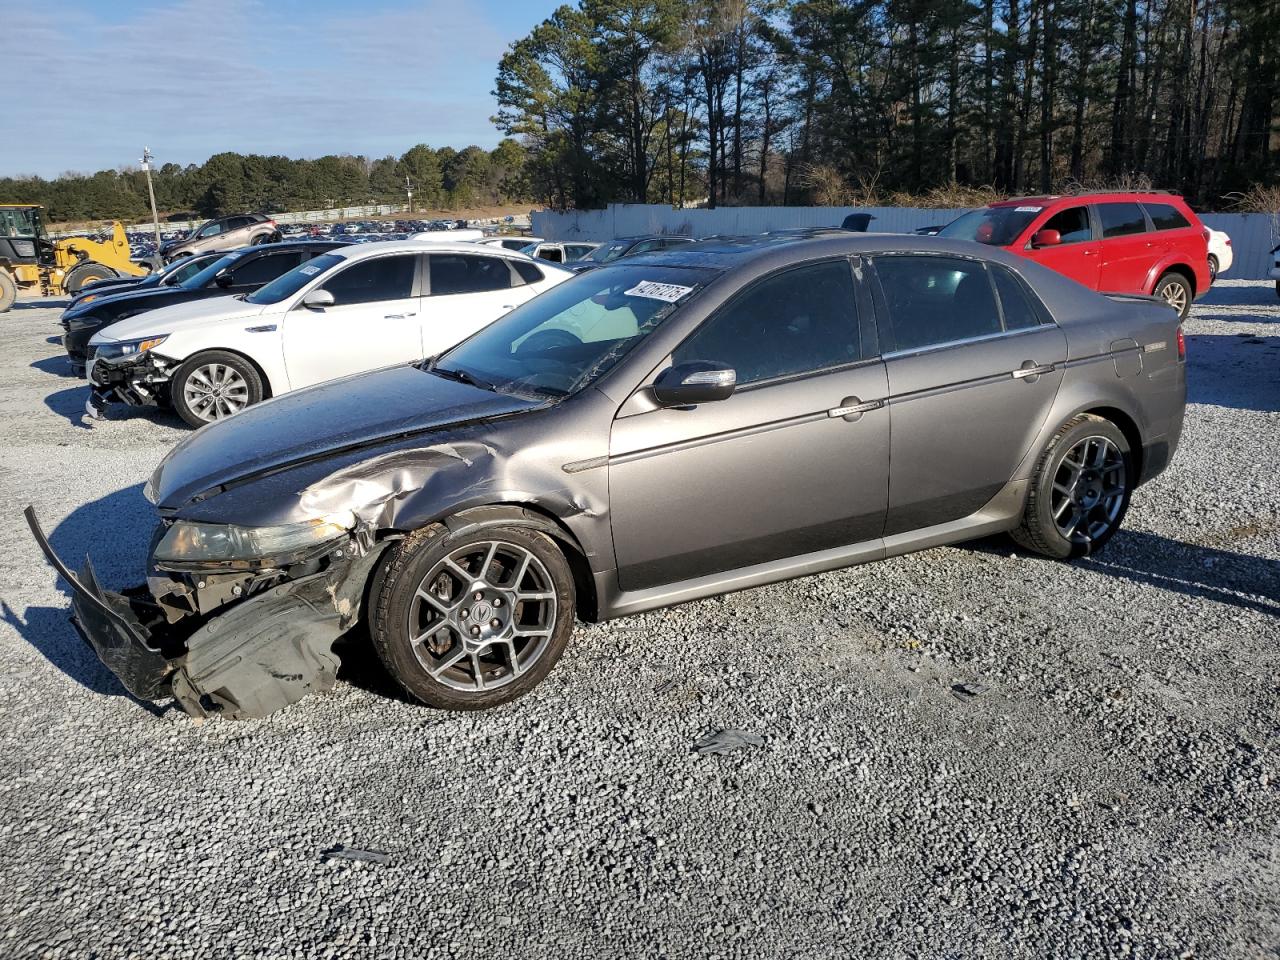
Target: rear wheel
(85, 272)
(8, 292)
(213, 386)
(1213, 268)
(1080, 490)
(473, 619)
(1175, 290)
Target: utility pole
(155, 217)
(408, 189)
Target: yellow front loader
(29, 260)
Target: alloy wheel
(1088, 490)
(482, 616)
(214, 391)
(1175, 295)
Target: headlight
(128, 348)
(190, 542)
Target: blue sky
(189, 78)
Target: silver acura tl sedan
(673, 426)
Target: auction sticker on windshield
(670, 292)
(1028, 209)
(309, 270)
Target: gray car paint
(668, 505)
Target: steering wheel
(545, 340)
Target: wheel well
(262, 374)
(1183, 271)
(1130, 430)
(530, 515)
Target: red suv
(1147, 243)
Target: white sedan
(353, 309)
(1219, 253)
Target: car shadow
(40, 305)
(1234, 371)
(69, 403)
(1244, 295)
(116, 531)
(58, 366)
(1191, 569)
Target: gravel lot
(1109, 786)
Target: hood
(190, 313)
(329, 419)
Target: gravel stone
(1119, 796)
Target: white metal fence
(1252, 234)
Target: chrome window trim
(964, 341)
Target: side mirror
(224, 280)
(318, 300)
(1046, 238)
(688, 384)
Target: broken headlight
(190, 542)
(126, 349)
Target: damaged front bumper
(140, 380)
(249, 643)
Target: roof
(1094, 195)
(358, 251)
(782, 248)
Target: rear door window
(381, 278)
(453, 273)
(1121, 219)
(799, 321)
(936, 300)
(1015, 306)
(1165, 216)
(265, 269)
(526, 272)
(1072, 224)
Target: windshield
(19, 222)
(286, 285)
(563, 340)
(205, 276)
(996, 226)
(608, 252)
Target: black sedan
(612, 250)
(171, 275)
(241, 271)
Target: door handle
(1030, 370)
(399, 316)
(1087, 253)
(852, 409)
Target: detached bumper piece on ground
(239, 644)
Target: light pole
(408, 189)
(155, 217)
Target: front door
(1076, 256)
(782, 468)
(973, 364)
(374, 322)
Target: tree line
(441, 179)
(840, 101)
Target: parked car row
(660, 427)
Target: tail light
(1227, 241)
(1182, 344)
(1207, 236)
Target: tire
(9, 292)
(1175, 290)
(1213, 268)
(227, 380)
(82, 273)
(1090, 517)
(424, 642)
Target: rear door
(973, 363)
(374, 322)
(466, 292)
(783, 467)
(1076, 256)
(1128, 249)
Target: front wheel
(1174, 290)
(1080, 490)
(213, 386)
(85, 272)
(473, 619)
